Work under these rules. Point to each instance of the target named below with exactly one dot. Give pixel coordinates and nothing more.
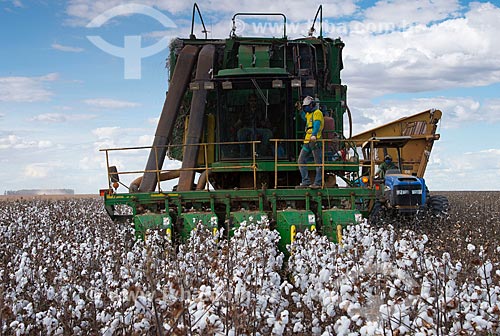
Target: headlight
(417, 192)
(402, 192)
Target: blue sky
(62, 98)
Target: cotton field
(68, 270)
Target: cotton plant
(67, 269)
(413, 292)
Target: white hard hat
(307, 100)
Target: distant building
(40, 192)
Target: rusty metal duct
(195, 126)
(178, 85)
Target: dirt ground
(470, 232)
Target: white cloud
(106, 132)
(145, 140)
(36, 170)
(60, 117)
(463, 171)
(64, 48)
(402, 14)
(456, 111)
(294, 10)
(108, 103)
(159, 34)
(82, 12)
(153, 121)
(92, 162)
(454, 53)
(108, 137)
(44, 144)
(40, 170)
(12, 141)
(495, 152)
(64, 108)
(26, 89)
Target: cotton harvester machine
(233, 172)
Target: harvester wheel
(438, 205)
(377, 213)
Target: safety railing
(326, 162)
(207, 168)
(113, 176)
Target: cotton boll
(271, 321)
(298, 327)
(341, 326)
(50, 293)
(324, 275)
(345, 288)
(353, 310)
(384, 256)
(370, 329)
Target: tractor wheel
(377, 213)
(438, 205)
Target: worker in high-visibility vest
(313, 117)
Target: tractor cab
(398, 191)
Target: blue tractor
(399, 192)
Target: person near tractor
(313, 117)
(385, 166)
(253, 126)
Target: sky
(64, 96)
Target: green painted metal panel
(221, 196)
(262, 56)
(245, 55)
(253, 56)
(250, 71)
(334, 217)
(256, 217)
(291, 220)
(151, 221)
(191, 219)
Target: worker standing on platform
(313, 117)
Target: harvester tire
(438, 205)
(377, 213)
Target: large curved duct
(202, 181)
(195, 126)
(178, 85)
(164, 176)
